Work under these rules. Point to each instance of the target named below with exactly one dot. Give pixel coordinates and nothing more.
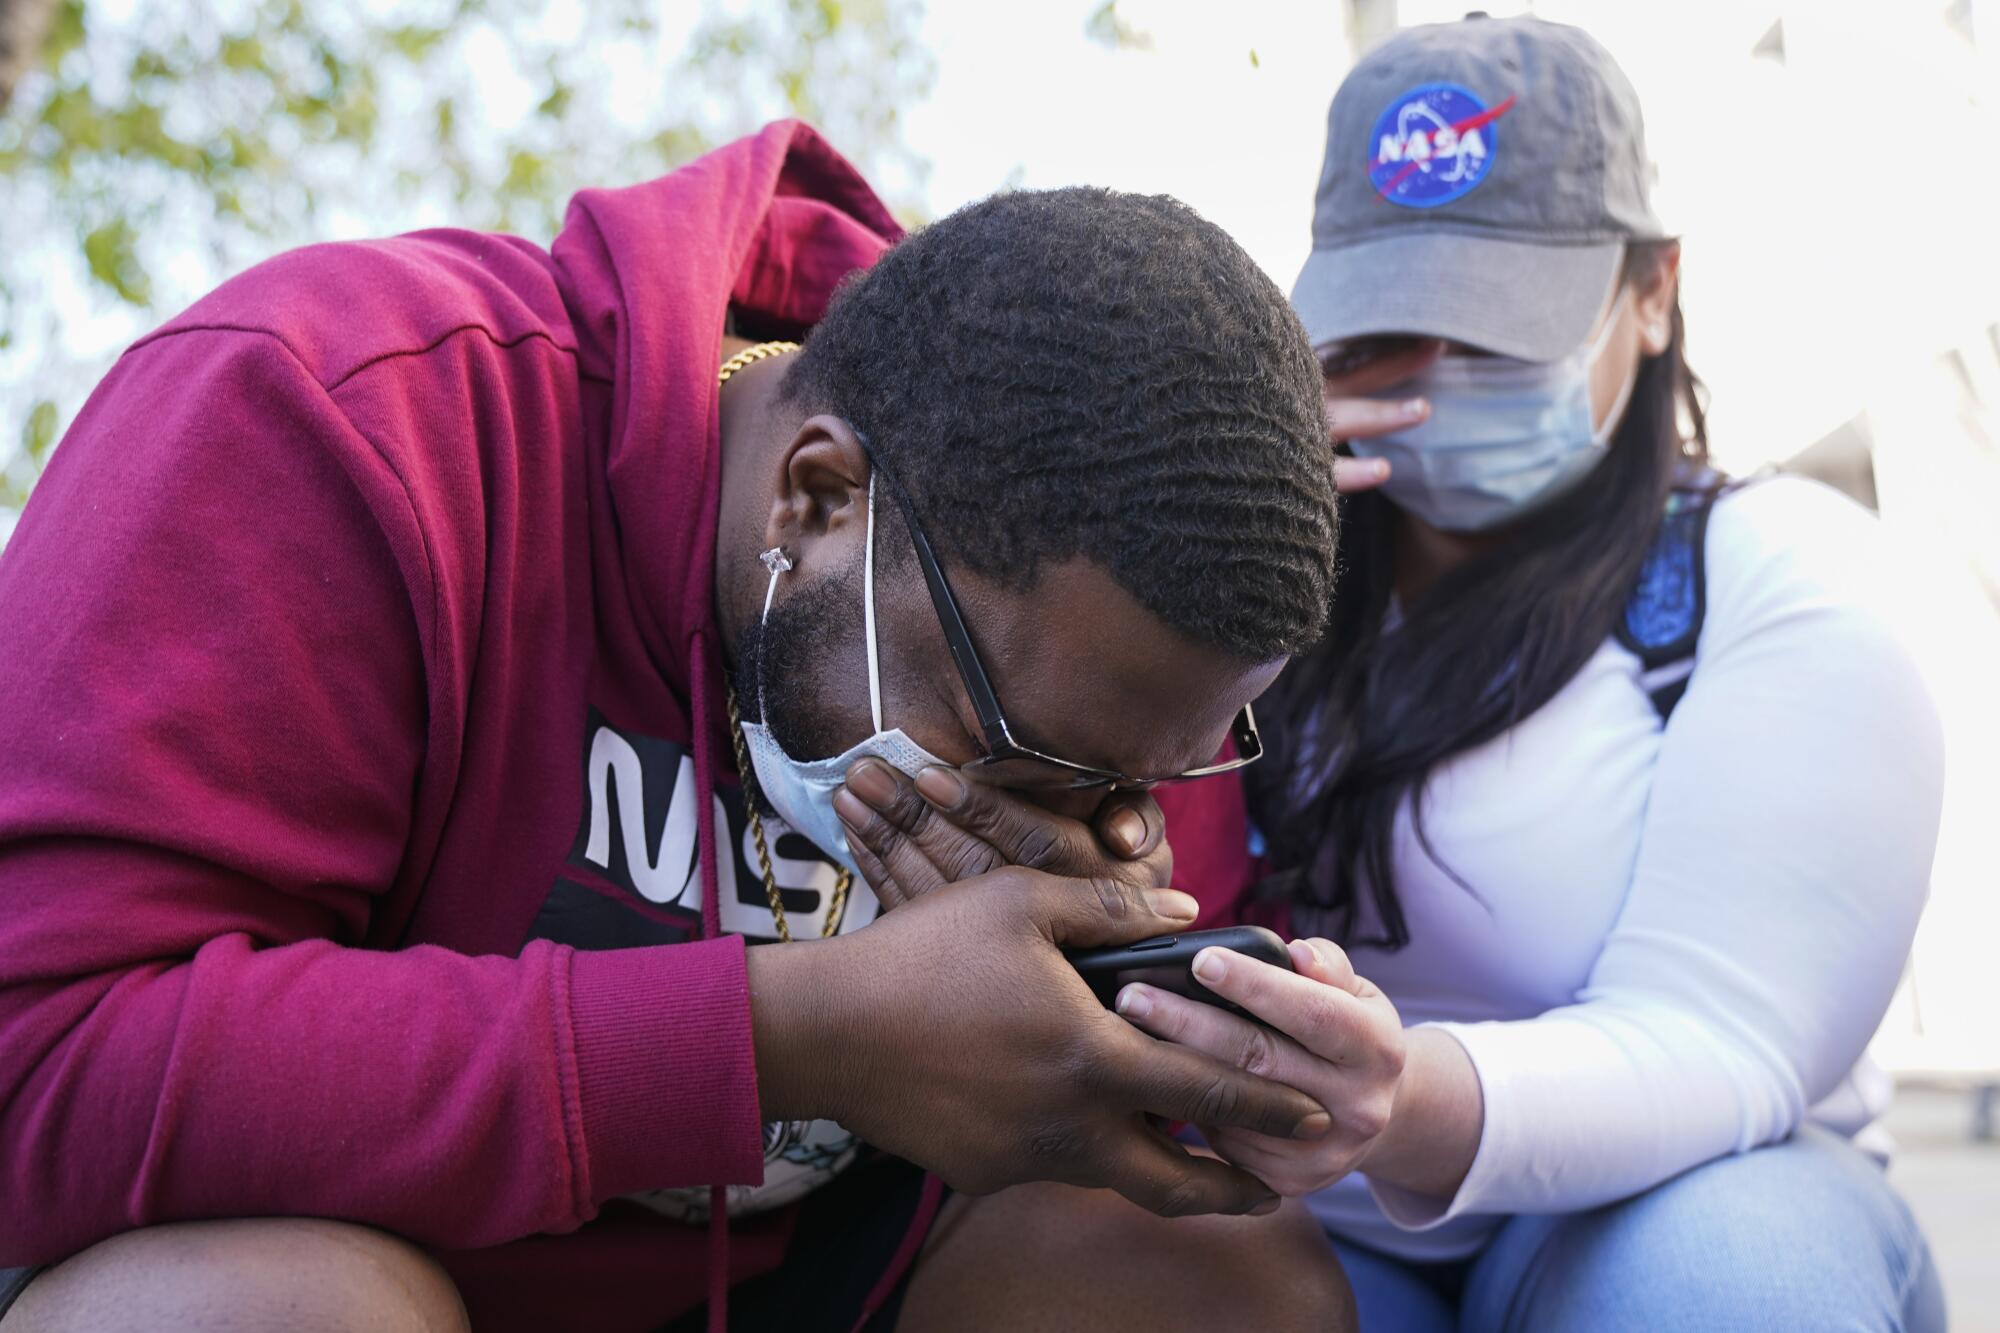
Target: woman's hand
(1333, 1036)
(1352, 415)
(911, 838)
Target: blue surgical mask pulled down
(1503, 437)
(801, 791)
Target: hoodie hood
(770, 224)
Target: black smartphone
(1167, 961)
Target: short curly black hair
(1082, 372)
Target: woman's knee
(295, 1273)
(1806, 1233)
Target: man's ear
(821, 490)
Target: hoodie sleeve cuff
(666, 1070)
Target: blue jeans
(1805, 1234)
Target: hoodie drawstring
(711, 929)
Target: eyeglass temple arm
(985, 703)
(1249, 742)
(1246, 730)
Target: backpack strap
(1663, 618)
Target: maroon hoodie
(313, 900)
(304, 641)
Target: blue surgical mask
(1503, 437)
(802, 791)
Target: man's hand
(954, 1033)
(913, 837)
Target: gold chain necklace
(750, 356)
(836, 910)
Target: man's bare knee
(1048, 1257)
(307, 1274)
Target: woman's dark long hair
(1356, 727)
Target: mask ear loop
(778, 563)
(868, 607)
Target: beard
(781, 662)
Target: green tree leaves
(153, 148)
(39, 435)
(109, 250)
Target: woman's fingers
(1286, 1165)
(1332, 1036)
(1365, 418)
(1167, 1079)
(1355, 409)
(1322, 1010)
(1385, 369)
(1276, 1162)
(1354, 475)
(1323, 960)
(1226, 1036)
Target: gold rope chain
(836, 910)
(750, 356)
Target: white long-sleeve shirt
(1680, 940)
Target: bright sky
(1835, 205)
(1023, 98)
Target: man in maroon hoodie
(372, 846)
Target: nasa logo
(1433, 144)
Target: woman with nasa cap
(1605, 775)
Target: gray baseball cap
(1482, 179)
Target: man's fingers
(1130, 824)
(1181, 1084)
(869, 833)
(967, 828)
(888, 891)
(1023, 834)
(1161, 1176)
(883, 812)
(1090, 913)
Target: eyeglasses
(1007, 762)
